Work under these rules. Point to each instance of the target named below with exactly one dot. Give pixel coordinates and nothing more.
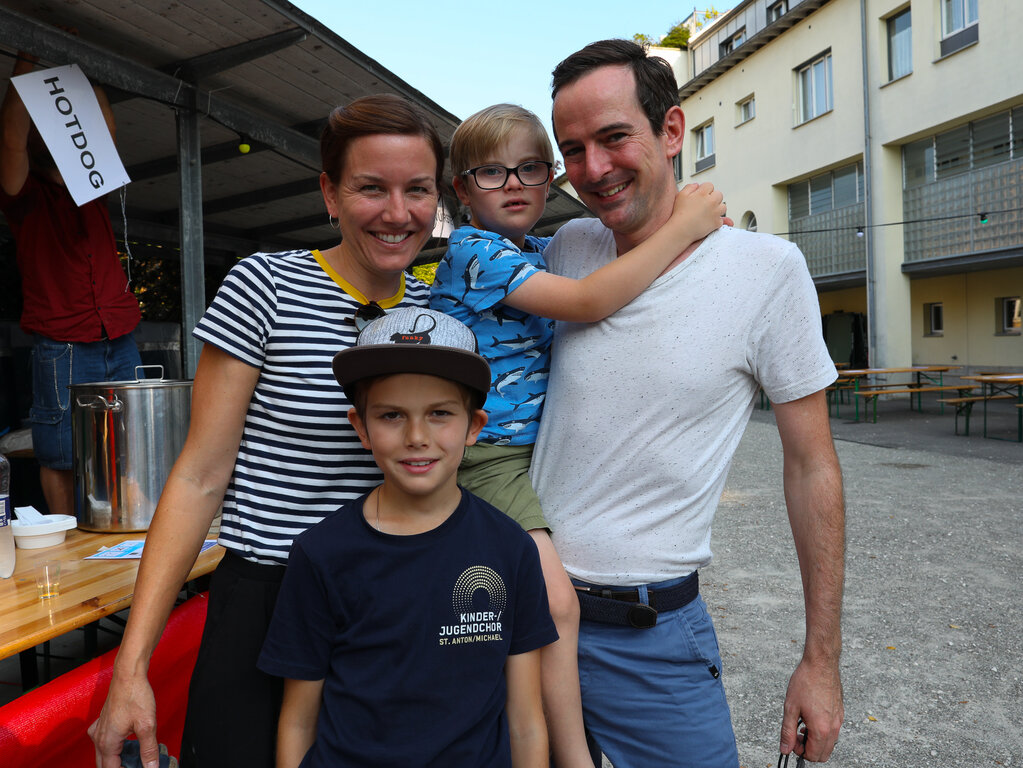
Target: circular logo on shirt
(473, 580)
(478, 599)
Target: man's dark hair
(656, 89)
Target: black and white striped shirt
(299, 459)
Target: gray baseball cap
(415, 340)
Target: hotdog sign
(64, 109)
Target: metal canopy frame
(113, 69)
(219, 71)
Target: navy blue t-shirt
(410, 634)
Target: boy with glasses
(493, 278)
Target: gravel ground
(933, 655)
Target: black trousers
(233, 707)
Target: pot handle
(140, 368)
(98, 402)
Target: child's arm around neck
(698, 211)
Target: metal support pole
(193, 289)
(868, 200)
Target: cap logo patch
(415, 335)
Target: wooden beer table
(89, 589)
(922, 373)
(1002, 383)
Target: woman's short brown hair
(370, 116)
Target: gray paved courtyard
(933, 626)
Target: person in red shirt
(77, 303)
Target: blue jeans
(56, 365)
(654, 697)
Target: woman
(269, 435)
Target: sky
(469, 59)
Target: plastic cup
(48, 580)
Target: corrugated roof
(259, 68)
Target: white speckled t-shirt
(645, 408)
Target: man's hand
(815, 695)
(130, 708)
(813, 495)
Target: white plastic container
(46, 534)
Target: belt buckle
(642, 616)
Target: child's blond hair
(484, 132)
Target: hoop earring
(335, 223)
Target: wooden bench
(840, 390)
(964, 406)
(902, 384)
(871, 395)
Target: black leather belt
(623, 608)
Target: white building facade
(885, 137)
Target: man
(77, 303)
(643, 414)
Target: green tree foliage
(678, 34)
(156, 279)
(677, 37)
(702, 17)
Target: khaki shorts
(499, 474)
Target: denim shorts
(654, 698)
(56, 365)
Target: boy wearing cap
(409, 622)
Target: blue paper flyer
(132, 550)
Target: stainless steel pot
(126, 437)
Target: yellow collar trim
(354, 292)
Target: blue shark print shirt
(478, 271)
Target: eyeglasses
(366, 314)
(531, 173)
